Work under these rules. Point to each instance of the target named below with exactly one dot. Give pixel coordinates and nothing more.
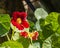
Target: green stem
(12, 35)
(31, 41)
(8, 37)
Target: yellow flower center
(18, 20)
(31, 35)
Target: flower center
(19, 20)
(31, 35)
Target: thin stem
(31, 41)
(8, 37)
(12, 34)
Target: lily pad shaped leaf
(40, 13)
(12, 44)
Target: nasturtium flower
(19, 21)
(24, 34)
(32, 35)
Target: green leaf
(52, 19)
(40, 13)
(4, 24)
(47, 31)
(4, 18)
(51, 24)
(55, 40)
(16, 36)
(47, 43)
(59, 19)
(12, 44)
(34, 45)
(42, 23)
(32, 25)
(25, 42)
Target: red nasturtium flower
(24, 34)
(33, 35)
(19, 21)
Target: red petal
(21, 15)
(15, 15)
(13, 22)
(19, 26)
(24, 34)
(35, 37)
(25, 24)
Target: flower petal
(25, 24)
(19, 26)
(15, 15)
(21, 15)
(24, 34)
(35, 37)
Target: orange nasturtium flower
(19, 21)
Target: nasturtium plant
(51, 29)
(4, 24)
(50, 25)
(24, 34)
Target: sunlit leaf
(12, 44)
(52, 19)
(40, 13)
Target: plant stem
(31, 41)
(8, 37)
(12, 34)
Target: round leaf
(12, 44)
(40, 13)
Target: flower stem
(8, 37)
(31, 41)
(12, 34)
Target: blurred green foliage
(49, 35)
